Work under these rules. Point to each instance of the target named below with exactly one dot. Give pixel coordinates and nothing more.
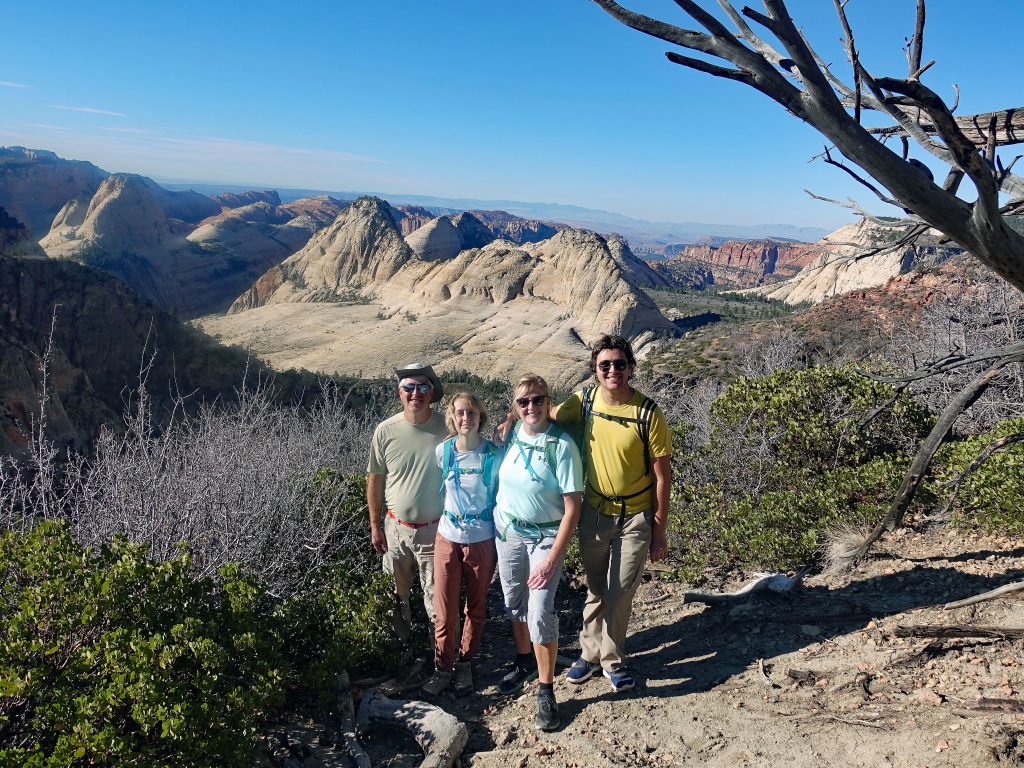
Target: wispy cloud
(256, 147)
(8, 84)
(122, 130)
(90, 110)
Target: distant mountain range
(642, 234)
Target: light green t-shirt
(404, 454)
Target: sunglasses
(421, 388)
(606, 365)
(536, 401)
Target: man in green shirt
(402, 492)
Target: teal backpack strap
(551, 448)
(446, 460)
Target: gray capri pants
(518, 555)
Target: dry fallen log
(997, 705)
(348, 724)
(441, 736)
(1006, 589)
(941, 630)
(774, 582)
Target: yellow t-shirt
(614, 453)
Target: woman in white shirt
(464, 552)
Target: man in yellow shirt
(627, 464)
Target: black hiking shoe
(547, 713)
(515, 679)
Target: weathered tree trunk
(441, 736)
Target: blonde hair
(475, 404)
(529, 381)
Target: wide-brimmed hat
(419, 369)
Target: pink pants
(455, 565)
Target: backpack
(550, 450)
(450, 465)
(645, 415)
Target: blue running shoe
(621, 679)
(581, 671)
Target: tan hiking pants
(613, 560)
(410, 552)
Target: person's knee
(543, 626)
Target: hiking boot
(581, 671)
(516, 678)
(437, 683)
(547, 713)
(621, 679)
(463, 677)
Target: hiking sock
(525, 661)
(546, 688)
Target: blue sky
(538, 100)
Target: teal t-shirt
(527, 488)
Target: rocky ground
(818, 677)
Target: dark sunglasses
(536, 400)
(605, 365)
(421, 388)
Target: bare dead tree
(799, 80)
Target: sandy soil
(526, 335)
(839, 686)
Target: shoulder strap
(587, 396)
(446, 460)
(645, 415)
(490, 449)
(551, 447)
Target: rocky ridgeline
(15, 241)
(735, 263)
(35, 185)
(855, 257)
(181, 250)
(575, 277)
(409, 218)
(241, 199)
(103, 333)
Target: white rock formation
(856, 256)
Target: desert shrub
(990, 496)
(236, 481)
(787, 457)
(108, 658)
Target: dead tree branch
(942, 630)
(797, 79)
(922, 460)
(992, 594)
(999, 444)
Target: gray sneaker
(437, 683)
(547, 713)
(463, 676)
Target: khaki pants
(613, 559)
(410, 551)
(456, 565)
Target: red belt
(395, 517)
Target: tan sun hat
(419, 369)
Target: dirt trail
(839, 687)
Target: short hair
(474, 401)
(529, 381)
(609, 341)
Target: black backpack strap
(645, 415)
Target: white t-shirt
(472, 489)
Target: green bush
(108, 658)
(788, 457)
(990, 497)
(341, 620)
